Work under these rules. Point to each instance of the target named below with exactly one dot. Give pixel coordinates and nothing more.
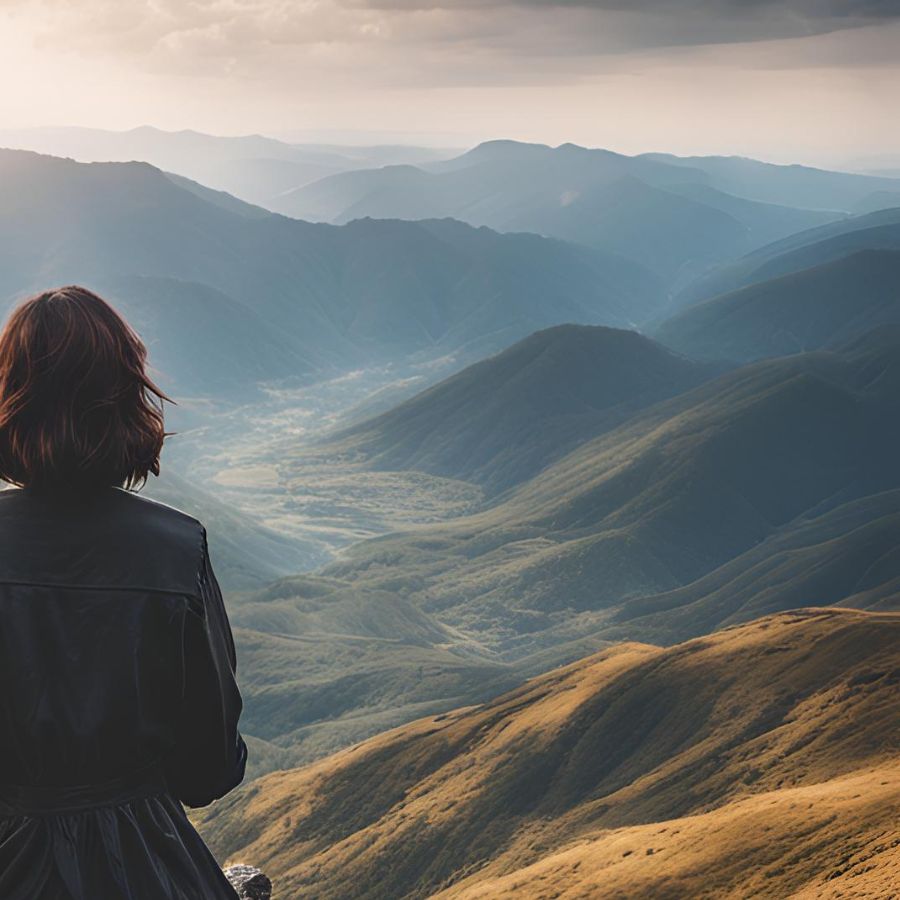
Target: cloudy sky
(805, 80)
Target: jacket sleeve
(210, 755)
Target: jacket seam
(99, 587)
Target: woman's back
(118, 699)
(116, 661)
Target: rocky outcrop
(249, 882)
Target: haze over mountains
(254, 168)
(655, 401)
(265, 297)
(677, 216)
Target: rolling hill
(324, 666)
(826, 305)
(804, 250)
(758, 762)
(667, 216)
(665, 499)
(502, 420)
(848, 556)
(770, 487)
(265, 297)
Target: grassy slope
(502, 420)
(783, 722)
(664, 500)
(806, 310)
(824, 841)
(848, 556)
(814, 247)
(324, 665)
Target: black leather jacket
(117, 699)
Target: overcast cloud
(623, 73)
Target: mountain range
(692, 501)
(254, 168)
(259, 296)
(675, 492)
(823, 306)
(674, 411)
(678, 217)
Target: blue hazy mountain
(800, 186)
(253, 167)
(678, 218)
(879, 230)
(825, 305)
(260, 296)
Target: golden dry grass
(840, 838)
(759, 761)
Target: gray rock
(249, 882)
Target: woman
(118, 700)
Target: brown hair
(77, 408)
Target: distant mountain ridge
(253, 167)
(792, 185)
(816, 246)
(266, 297)
(679, 217)
(825, 305)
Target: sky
(803, 80)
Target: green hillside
(804, 250)
(665, 499)
(849, 556)
(325, 665)
(500, 421)
(818, 307)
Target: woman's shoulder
(118, 536)
(152, 509)
(158, 520)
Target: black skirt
(140, 849)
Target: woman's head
(77, 408)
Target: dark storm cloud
(635, 24)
